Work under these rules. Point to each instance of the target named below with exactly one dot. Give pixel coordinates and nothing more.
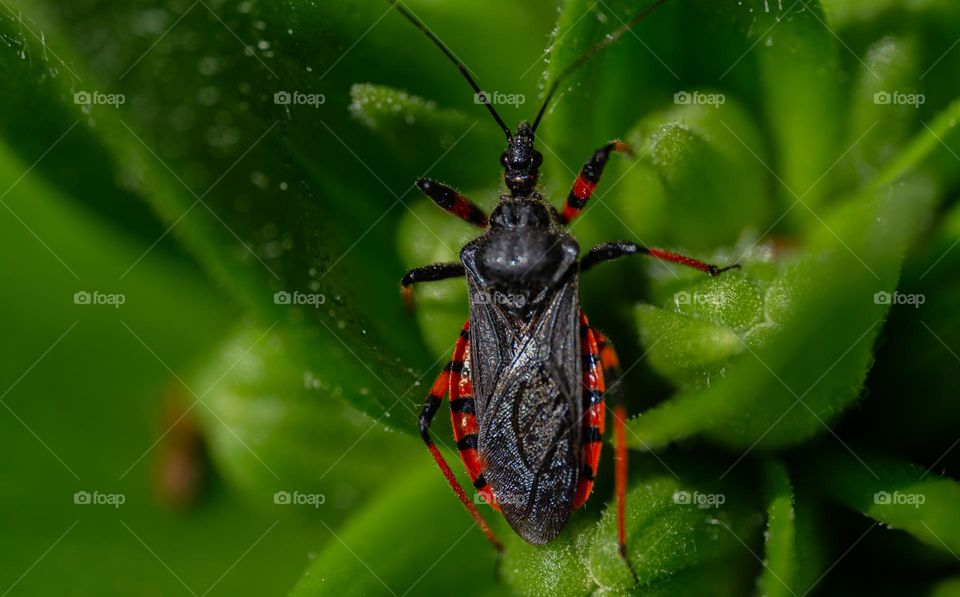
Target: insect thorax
(523, 256)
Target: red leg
(453, 202)
(611, 372)
(614, 250)
(440, 387)
(593, 412)
(587, 180)
(464, 418)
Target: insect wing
(527, 388)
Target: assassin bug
(528, 375)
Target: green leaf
(711, 321)
(260, 233)
(856, 253)
(397, 117)
(697, 349)
(927, 333)
(276, 215)
(104, 382)
(946, 588)
(848, 13)
(265, 413)
(879, 123)
(675, 530)
(932, 150)
(700, 164)
(781, 557)
(797, 60)
(596, 101)
(384, 548)
(893, 492)
(783, 62)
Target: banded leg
(614, 250)
(610, 364)
(588, 178)
(463, 415)
(592, 422)
(427, 273)
(440, 387)
(453, 202)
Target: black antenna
(463, 70)
(589, 55)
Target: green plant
(779, 406)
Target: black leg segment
(428, 273)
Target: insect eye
(503, 159)
(537, 159)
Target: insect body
(528, 375)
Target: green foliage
(384, 548)
(896, 493)
(758, 139)
(265, 413)
(792, 550)
(680, 531)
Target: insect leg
(592, 423)
(453, 202)
(614, 250)
(612, 374)
(588, 178)
(463, 415)
(427, 273)
(440, 387)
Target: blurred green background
(172, 425)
